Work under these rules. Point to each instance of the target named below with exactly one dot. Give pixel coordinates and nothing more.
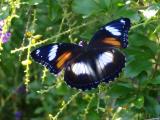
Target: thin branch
(51, 38)
(64, 106)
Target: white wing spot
(52, 53)
(104, 59)
(82, 68)
(113, 30)
(122, 21)
(37, 52)
(113, 51)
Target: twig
(48, 39)
(64, 106)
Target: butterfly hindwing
(55, 56)
(114, 34)
(109, 63)
(94, 66)
(80, 73)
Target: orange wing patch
(112, 41)
(63, 58)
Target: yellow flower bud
(26, 62)
(37, 37)
(33, 41)
(28, 34)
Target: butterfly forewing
(114, 34)
(55, 56)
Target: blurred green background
(134, 95)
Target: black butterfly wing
(94, 66)
(55, 56)
(114, 33)
(86, 67)
(80, 72)
(109, 64)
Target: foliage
(135, 94)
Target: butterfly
(86, 66)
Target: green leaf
(141, 50)
(152, 106)
(105, 4)
(39, 110)
(54, 9)
(85, 7)
(139, 102)
(139, 40)
(157, 29)
(118, 90)
(143, 78)
(93, 115)
(125, 100)
(134, 68)
(130, 13)
(35, 2)
(156, 80)
(139, 53)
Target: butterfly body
(87, 65)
